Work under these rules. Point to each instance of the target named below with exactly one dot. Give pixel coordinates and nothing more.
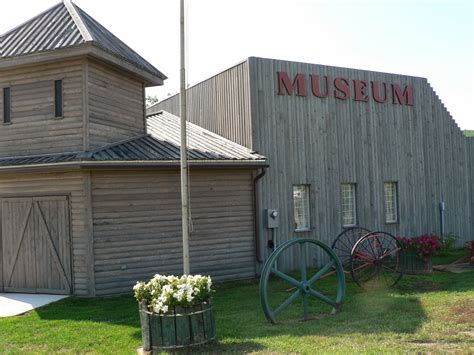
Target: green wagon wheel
(302, 286)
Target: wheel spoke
(390, 252)
(384, 276)
(372, 248)
(321, 272)
(305, 306)
(361, 266)
(322, 297)
(343, 242)
(302, 262)
(286, 277)
(363, 257)
(392, 270)
(287, 302)
(362, 245)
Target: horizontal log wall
(116, 105)
(61, 184)
(221, 104)
(137, 226)
(33, 128)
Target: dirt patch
(463, 312)
(424, 342)
(309, 318)
(421, 286)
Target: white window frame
(348, 204)
(391, 201)
(301, 207)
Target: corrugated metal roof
(166, 127)
(39, 159)
(107, 41)
(63, 26)
(52, 29)
(162, 144)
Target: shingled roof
(160, 146)
(65, 25)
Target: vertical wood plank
(85, 105)
(89, 233)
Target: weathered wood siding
(36, 247)
(115, 105)
(57, 184)
(220, 104)
(137, 226)
(326, 142)
(471, 181)
(33, 128)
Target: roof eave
(82, 50)
(149, 78)
(137, 164)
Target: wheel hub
(304, 287)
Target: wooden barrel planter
(178, 328)
(412, 264)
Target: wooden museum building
(345, 147)
(89, 179)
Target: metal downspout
(256, 215)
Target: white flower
(172, 290)
(138, 286)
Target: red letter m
(286, 85)
(405, 98)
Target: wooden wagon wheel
(303, 285)
(344, 243)
(376, 256)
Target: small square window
(348, 201)
(301, 207)
(391, 203)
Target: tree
(151, 100)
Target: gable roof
(160, 147)
(65, 25)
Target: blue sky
(432, 39)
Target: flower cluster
(163, 292)
(425, 246)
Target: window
(58, 98)
(301, 207)
(6, 105)
(391, 208)
(348, 197)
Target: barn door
(36, 245)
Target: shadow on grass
(242, 327)
(119, 310)
(436, 282)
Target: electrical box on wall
(271, 218)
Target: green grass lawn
(432, 313)
(469, 133)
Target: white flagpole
(184, 158)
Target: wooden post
(184, 160)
